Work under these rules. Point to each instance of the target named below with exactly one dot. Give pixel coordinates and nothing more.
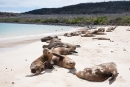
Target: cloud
(41, 3)
(36, 4)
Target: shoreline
(5, 43)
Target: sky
(18, 6)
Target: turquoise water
(11, 30)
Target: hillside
(87, 8)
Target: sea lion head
(37, 68)
(44, 39)
(47, 53)
(45, 46)
(79, 74)
(70, 64)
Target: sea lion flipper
(77, 45)
(58, 55)
(114, 75)
(73, 51)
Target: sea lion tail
(77, 45)
(73, 51)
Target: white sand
(15, 62)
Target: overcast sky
(27, 5)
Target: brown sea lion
(44, 61)
(101, 30)
(99, 73)
(61, 44)
(53, 40)
(110, 29)
(76, 33)
(63, 61)
(87, 35)
(44, 39)
(62, 51)
(96, 32)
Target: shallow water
(11, 30)
(15, 32)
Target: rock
(12, 82)
(124, 49)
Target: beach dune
(15, 62)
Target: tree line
(102, 20)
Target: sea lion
(63, 61)
(41, 63)
(99, 73)
(62, 51)
(54, 40)
(44, 39)
(110, 29)
(87, 35)
(101, 30)
(76, 33)
(102, 38)
(96, 32)
(61, 44)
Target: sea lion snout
(44, 46)
(33, 70)
(70, 64)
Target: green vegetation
(103, 20)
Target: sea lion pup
(61, 44)
(62, 51)
(63, 61)
(41, 63)
(99, 73)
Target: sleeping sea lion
(41, 63)
(99, 73)
(61, 44)
(96, 32)
(87, 35)
(63, 61)
(101, 30)
(44, 39)
(110, 29)
(53, 40)
(62, 51)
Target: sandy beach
(15, 62)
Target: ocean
(10, 32)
